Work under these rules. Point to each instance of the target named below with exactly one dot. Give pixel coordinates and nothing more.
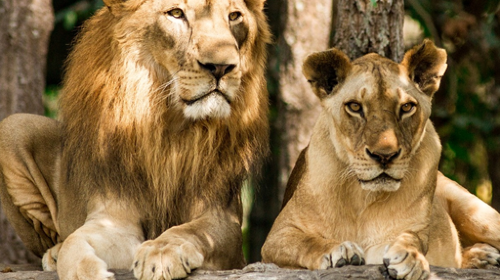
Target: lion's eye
(176, 13)
(234, 16)
(407, 107)
(354, 107)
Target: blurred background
(465, 110)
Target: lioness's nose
(218, 70)
(383, 157)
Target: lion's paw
(157, 260)
(406, 263)
(480, 255)
(49, 260)
(88, 267)
(346, 253)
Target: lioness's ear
(426, 65)
(324, 70)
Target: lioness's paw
(157, 260)
(49, 260)
(344, 254)
(480, 255)
(406, 263)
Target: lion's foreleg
(108, 239)
(212, 241)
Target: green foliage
(77, 12)
(466, 109)
(50, 100)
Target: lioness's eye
(354, 107)
(408, 107)
(234, 16)
(176, 13)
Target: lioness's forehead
(375, 75)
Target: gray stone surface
(268, 271)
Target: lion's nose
(383, 157)
(218, 70)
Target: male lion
(364, 189)
(163, 115)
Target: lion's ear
(324, 70)
(426, 64)
(117, 6)
(110, 3)
(257, 5)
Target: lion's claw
(157, 260)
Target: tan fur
(363, 190)
(162, 118)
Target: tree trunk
(25, 27)
(493, 170)
(368, 26)
(306, 30)
(300, 27)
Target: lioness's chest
(377, 223)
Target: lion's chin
(382, 183)
(213, 105)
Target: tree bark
(25, 26)
(368, 26)
(300, 27)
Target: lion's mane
(124, 137)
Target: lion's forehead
(199, 8)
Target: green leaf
(70, 19)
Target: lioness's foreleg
(476, 222)
(29, 152)
(480, 255)
(211, 241)
(404, 258)
(108, 239)
(299, 250)
(289, 245)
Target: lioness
(163, 115)
(364, 191)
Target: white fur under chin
(374, 186)
(213, 106)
